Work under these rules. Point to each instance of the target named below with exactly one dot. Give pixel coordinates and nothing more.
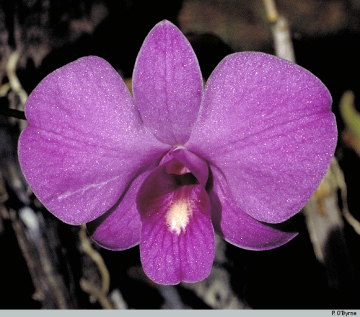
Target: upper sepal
(167, 84)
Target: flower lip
(178, 214)
(177, 236)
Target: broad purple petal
(85, 142)
(267, 125)
(119, 228)
(237, 227)
(177, 237)
(167, 84)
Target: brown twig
(94, 291)
(281, 32)
(12, 113)
(99, 293)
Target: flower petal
(237, 227)
(177, 238)
(85, 141)
(267, 125)
(167, 84)
(119, 228)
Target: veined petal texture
(267, 125)
(167, 84)
(119, 228)
(240, 229)
(177, 237)
(85, 142)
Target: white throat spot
(178, 216)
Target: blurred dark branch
(37, 237)
(13, 113)
(98, 293)
(280, 31)
(49, 286)
(15, 110)
(324, 218)
(14, 82)
(39, 248)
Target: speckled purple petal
(167, 84)
(119, 228)
(85, 142)
(174, 246)
(237, 227)
(267, 125)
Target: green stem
(349, 114)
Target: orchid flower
(174, 163)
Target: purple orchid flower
(173, 164)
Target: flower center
(178, 215)
(180, 210)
